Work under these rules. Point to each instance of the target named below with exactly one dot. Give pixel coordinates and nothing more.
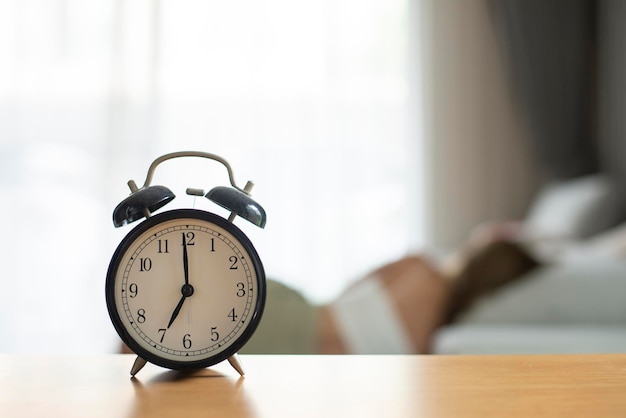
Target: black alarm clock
(186, 288)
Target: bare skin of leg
(418, 294)
(426, 297)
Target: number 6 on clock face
(185, 289)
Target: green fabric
(288, 324)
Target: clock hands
(187, 289)
(185, 260)
(177, 310)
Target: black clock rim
(126, 243)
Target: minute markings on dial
(161, 276)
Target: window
(308, 99)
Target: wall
(478, 164)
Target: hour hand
(177, 310)
(187, 291)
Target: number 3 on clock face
(185, 289)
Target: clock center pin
(187, 290)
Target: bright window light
(308, 99)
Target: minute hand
(185, 260)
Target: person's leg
(395, 309)
(416, 298)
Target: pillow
(590, 290)
(575, 209)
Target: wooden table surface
(319, 386)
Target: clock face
(185, 289)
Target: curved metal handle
(208, 155)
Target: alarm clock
(185, 289)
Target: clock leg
(138, 365)
(234, 361)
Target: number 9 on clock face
(185, 289)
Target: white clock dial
(186, 288)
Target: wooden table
(319, 386)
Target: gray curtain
(550, 45)
(612, 88)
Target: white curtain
(311, 100)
